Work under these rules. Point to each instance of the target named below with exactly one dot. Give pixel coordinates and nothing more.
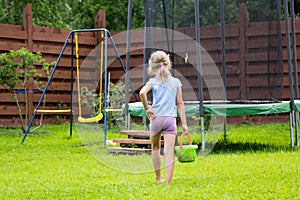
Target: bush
(18, 68)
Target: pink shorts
(166, 125)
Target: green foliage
(116, 15)
(181, 14)
(116, 94)
(18, 68)
(90, 99)
(116, 101)
(79, 14)
(49, 13)
(73, 14)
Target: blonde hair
(159, 64)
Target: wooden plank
(137, 36)
(137, 50)
(10, 109)
(11, 46)
(263, 68)
(270, 44)
(262, 56)
(65, 60)
(211, 31)
(49, 37)
(53, 98)
(11, 27)
(132, 141)
(47, 49)
(59, 86)
(12, 33)
(51, 30)
(134, 62)
(262, 28)
(133, 151)
(135, 132)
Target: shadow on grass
(243, 147)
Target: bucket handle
(180, 140)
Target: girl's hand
(150, 114)
(185, 129)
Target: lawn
(255, 162)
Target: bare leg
(169, 142)
(156, 155)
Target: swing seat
(92, 119)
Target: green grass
(255, 162)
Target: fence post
(100, 19)
(99, 22)
(28, 27)
(243, 25)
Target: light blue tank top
(164, 95)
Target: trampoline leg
(297, 128)
(128, 121)
(202, 134)
(145, 123)
(291, 128)
(225, 128)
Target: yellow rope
(101, 71)
(100, 115)
(77, 68)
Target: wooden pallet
(138, 138)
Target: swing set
(103, 79)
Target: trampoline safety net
(241, 55)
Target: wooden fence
(245, 57)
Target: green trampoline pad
(228, 109)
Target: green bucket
(186, 153)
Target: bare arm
(143, 96)
(181, 110)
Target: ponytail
(159, 64)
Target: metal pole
(294, 45)
(199, 69)
(147, 39)
(166, 24)
(72, 86)
(223, 60)
(105, 86)
(128, 60)
(288, 46)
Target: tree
(18, 68)
(73, 14)
(79, 14)
(50, 13)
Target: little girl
(167, 101)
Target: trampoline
(230, 59)
(228, 109)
